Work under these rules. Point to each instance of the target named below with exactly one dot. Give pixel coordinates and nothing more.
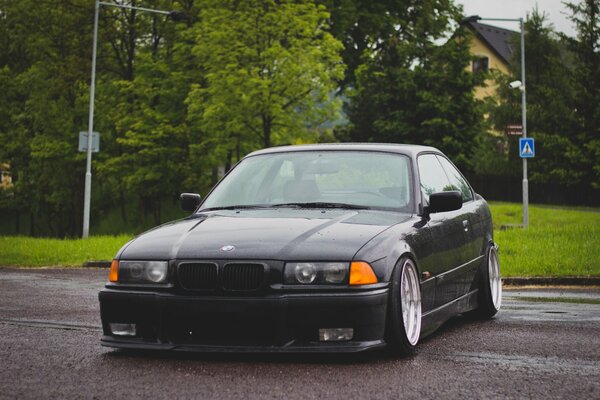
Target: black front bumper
(271, 323)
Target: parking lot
(543, 344)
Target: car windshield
(316, 179)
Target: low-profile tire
(490, 286)
(403, 328)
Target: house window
(481, 64)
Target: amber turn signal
(113, 275)
(361, 273)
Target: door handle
(466, 225)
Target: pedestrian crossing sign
(526, 147)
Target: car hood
(274, 234)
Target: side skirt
(433, 319)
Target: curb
(96, 264)
(552, 281)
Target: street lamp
(521, 86)
(175, 16)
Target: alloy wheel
(495, 278)
(411, 302)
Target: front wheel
(490, 286)
(404, 309)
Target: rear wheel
(404, 309)
(490, 286)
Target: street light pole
(176, 16)
(522, 87)
(88, 166)
(524, 123)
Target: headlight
(335, 272)
(305, 272)
(139, 271)
(316, 273)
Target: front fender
(384, 251)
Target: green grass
(21, 251)
(557, 300)
(558, 242)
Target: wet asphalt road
(543, 344)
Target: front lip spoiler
(315, 347)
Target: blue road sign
(527, 147)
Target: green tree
(144, 73)
(42, 53)
(361, 26)
(585, 15)
(270, 70)
(413, 85)
(141, 109)
(551, 98)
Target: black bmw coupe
(316, 248)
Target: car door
(447, 235)
(470, 205)
(472, 224)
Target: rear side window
(456, 179)
(433, 177)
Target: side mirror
(189, 201)
(444, 201)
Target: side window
(433, 178)
(456, 179)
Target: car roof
(407, 149)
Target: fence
(502, 188)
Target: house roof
(498, 39)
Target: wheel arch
(403, 249)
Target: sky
(556, 11)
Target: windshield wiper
(318, 204)
(237, 207)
